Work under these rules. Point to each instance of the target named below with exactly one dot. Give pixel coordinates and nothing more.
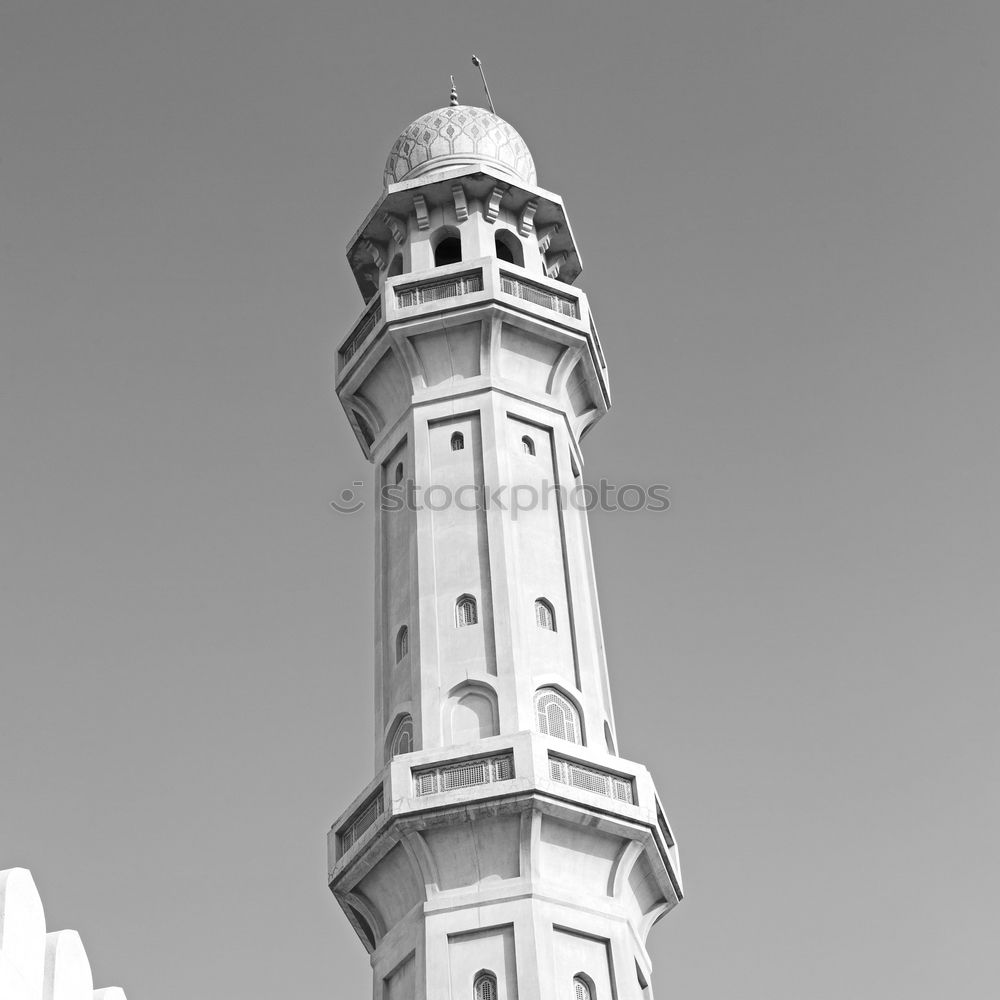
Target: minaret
(503, 850)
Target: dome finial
(476, 61)
(454, 94)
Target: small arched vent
(402, 643)
(484, 987)
(527, 445)
(545, 616)
(457, 441)
(581, 989)
(466, 611)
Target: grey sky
(788, 216)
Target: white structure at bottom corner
(505, 850)
(35, 965)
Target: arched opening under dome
(448, 249)
(508, 248)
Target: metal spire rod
(476, 61)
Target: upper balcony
(404, 211)
(461, 286)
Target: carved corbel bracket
(492, 209)
(374, 250)
(396, 226)
(526, 221)
(461, 205)
(545, 235)
(423, 216)
(554, 262)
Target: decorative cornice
(420, 207)
(526, 221)
(461, 205)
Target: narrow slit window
(399, 473)
(485, 987)
(527, 445)
(457, 441)
(466, 611)
(402, 643)
(545, 616)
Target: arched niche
(471, 714)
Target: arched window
(484, 987)
(545, 617)
(527, 445)
(508, 248)
(581, 989)
(557, 715)
(402, 739)
(399, 473)
(466, 612)
(402, 643)
(457, 441)
(448, 251)
(396, 267)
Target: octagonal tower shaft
(503, 836)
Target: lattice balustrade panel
(434, 291)
(362, 821)
(538, 295)
(592, 779)
(368, 323)
(465, 774)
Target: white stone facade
(35, 964)
(504, 850)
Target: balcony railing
(539, 295)
(362, 821)
(368, 322)
(591, 779)
(466, 774)
(661, 822)
(452, 287)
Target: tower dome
(459, 136)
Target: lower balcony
(489, 772)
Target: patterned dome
(459, 136)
